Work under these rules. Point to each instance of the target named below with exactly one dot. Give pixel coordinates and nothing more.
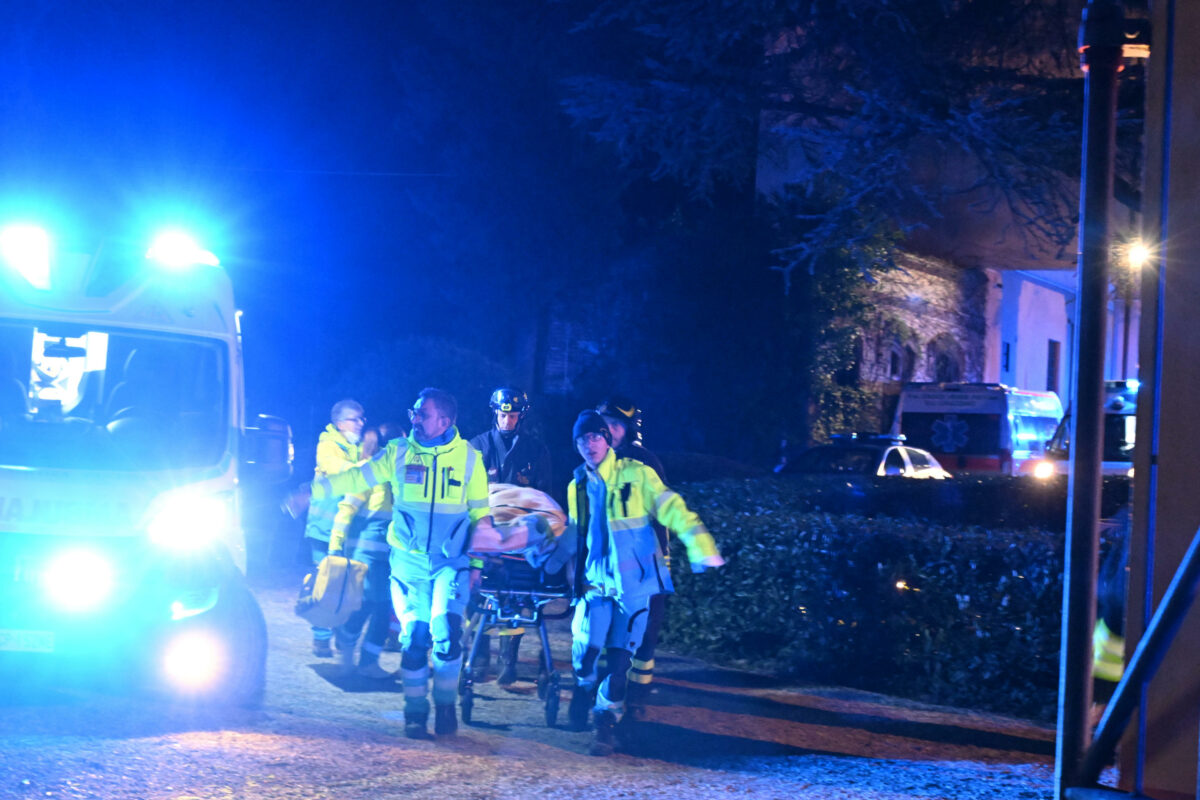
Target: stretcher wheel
(466, 705)
(543, 680)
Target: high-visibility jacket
(634, 496)
(439, 494)
(1108, 653)
(363, 514)
(334, 454)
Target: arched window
(945, 359)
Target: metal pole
(1149, 654)
(1100, 40)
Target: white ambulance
(978, 427)
(1120, 427)
(123, 436)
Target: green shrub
(953, 614)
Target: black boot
(321, 648)
(414, 725)
(606, 734)
(509, 645)
(577, 712)
(445, 722)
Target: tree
(842, 103)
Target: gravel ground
(711, 733)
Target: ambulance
(123, 439)
(1120, 426)
(979, 427)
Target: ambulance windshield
(75, 397)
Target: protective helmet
(508, 399)
(623, 410)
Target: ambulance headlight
(1044, 470)
(78, 580)
(190, 520)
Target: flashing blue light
(178, 250)
(26, 248)
(1133, 384)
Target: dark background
(368, 172)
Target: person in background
(511, 454)
(360, 531)
(339, 448)
(619, 566)
(439, 496)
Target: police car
(867, 454)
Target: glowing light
(26, 249)
(177, 250)
(78, 580)
(1044, 470)
(1137, 255)
(193, 660)
(902, 585)
(189, 520)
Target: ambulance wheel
(238, 673)
(466, 705)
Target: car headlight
(1044, 470)
(78, 580)
(190, 520)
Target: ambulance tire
(238, 621)
(246, 627)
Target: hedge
(952, 614)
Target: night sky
(361, 169)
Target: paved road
(711, 733)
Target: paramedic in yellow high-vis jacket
(338, 449)
(619, 565)
(439, 494)
(360, 532)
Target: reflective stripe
(477, 503)
(470, 465)
(645, 666)
(663, 499)
(354, 500)
(325, 486)
(628, 524)
(369, 476)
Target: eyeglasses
(360, 420)
(421, 414)
(591, 438)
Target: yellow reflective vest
(439, 493)
(334, 454)
(634, 495)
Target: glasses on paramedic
(591, 438)
(421, 414)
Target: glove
(708, 562)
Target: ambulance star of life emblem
(949, 433)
